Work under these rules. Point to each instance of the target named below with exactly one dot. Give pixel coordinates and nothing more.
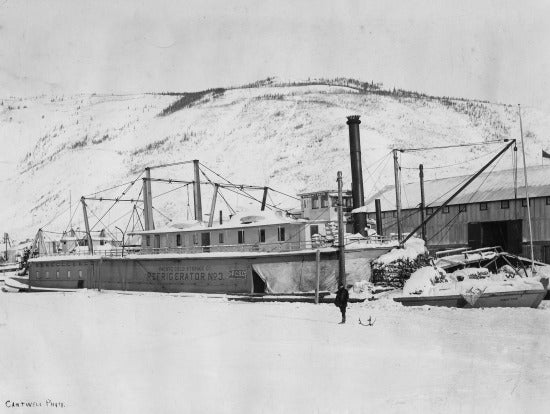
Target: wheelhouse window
(281, 234)
(324, 201)
(178, 239)
(505, 204)
(483, 206)
(315, 202)
(240, 236)
(262, 235)
(304, 203)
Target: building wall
(442, 235)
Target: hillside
(289, 136)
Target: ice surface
(150, 352)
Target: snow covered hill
(289, 136)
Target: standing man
(341, 300)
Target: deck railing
(220, 248)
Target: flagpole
(527, 194)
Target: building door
(205, 242)
(515, 237)
(546, 254)
(474, 235)
(506, 234)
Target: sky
(484, 49)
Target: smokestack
(359, 220)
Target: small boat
(473, 288)
(513, 299)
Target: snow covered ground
(129, 353)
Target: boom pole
(472, 178)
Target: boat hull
(238, 272)
(511, 299)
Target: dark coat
(342, 297)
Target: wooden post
(397, 194)
(378, 210)
(99, 274)
(422, 203)
(341, 241)
(318, 274)
(87, 226)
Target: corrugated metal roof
(493, 186)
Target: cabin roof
(238, 221)
(330, 192)
(489, 186)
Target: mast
(197, 191)
(213, 206)
(264, 198)
(87, 226)
(527, 193)
(422, 203)
(148, 201)
(341, 252)
(397, 194)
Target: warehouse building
(491, 211)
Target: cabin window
(178, 239)
(304, 203)
(429, 210)
(57, 274)
(483, 206)
(47, 274)
(445, 210)
(324, 201)
(101, 242)
(313, 229)
(240, 237)
(220, 238)
(68, 274)
(262, 235)
(394, 214)
(547, 201)
(80, 274)
(195, 238)
(281, 233)
(461, 208)
(315, 202)
(504, 204)
(37, 274)
(334, 201)
(148, 241)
